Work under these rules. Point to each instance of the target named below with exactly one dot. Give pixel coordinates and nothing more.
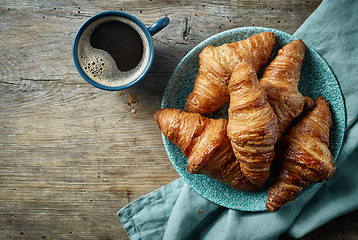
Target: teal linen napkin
(175, 211)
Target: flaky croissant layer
(252, 126)
(216, 65)
(280, 80)
(303, 156)
(205, 143)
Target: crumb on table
(132, 98)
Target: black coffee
(113, 51)
(121, 41)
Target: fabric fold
(147, 217)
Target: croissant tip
(299, 41)
(309, 103)
(271, 205)
(192, 169)
(321, 99)
(255, 182)
(271, 208)
(157, 115)
(186, 109)
(256, 179)
(270, 33)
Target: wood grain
(72, 155)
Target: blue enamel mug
(114, 50)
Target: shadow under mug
(146, 33)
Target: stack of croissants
(240, 150)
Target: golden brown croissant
(303, 156)
(216, 65)
(252, 126)
(280, 80)
(205, 143)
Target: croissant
(205, 143)
(303, 156)
(252, 126)
(216, 65)
(280, 80)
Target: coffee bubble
(100, 66)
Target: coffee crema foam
(100, 66)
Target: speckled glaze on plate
(316, 79)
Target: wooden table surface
(72, 155)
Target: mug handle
(158, 25)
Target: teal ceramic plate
(316, 79)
